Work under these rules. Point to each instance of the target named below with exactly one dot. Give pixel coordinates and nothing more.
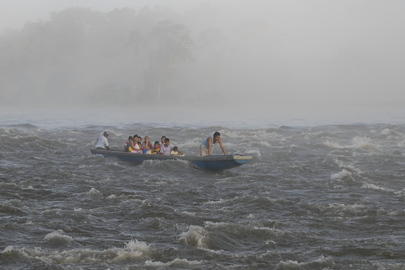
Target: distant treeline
(80, 56)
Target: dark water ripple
(327, 197)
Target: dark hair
(157, 142)
(135, 136)
(175, 148)
(167, 140)
(163, 137)
(217, 134)
(105, 133)
(129, 138)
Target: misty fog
(284, 57)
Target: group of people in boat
(139, 145)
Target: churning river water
(325, 197)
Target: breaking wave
(58, 238)
(133, 251)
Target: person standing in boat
(102, 141)
(207, 146)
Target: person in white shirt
(102, 141)
(166, 148)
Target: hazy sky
(325, 57)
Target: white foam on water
(255, 152)
(216, 224)
(265, 143)
(375, 187)
(133, 202)
(362, 142)
(357, 143)
(11, 251)
(137, 245)
(342, 175)
(175, 262)
(270, 242)
(187, 213)
(220, 201)
(333, 144)
(397, 213)
(400, 193)
(133, 251)
(244, 227)
(322, 261)
(349, 167)
(8, 185)
(386, 131)
(94, 194)
(58, 238)
(196, 236)
(263, 228)
(112, 197)
(344, 209)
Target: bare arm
(106, 143)
(209, 146)
(222, 147)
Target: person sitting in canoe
(162, 140)
(175, 151)
(166, 148)
(207, 146)
(137, 144)
(156, 148)
(129, 145)
(102, 141)
(147, 145)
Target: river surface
(323, 197)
